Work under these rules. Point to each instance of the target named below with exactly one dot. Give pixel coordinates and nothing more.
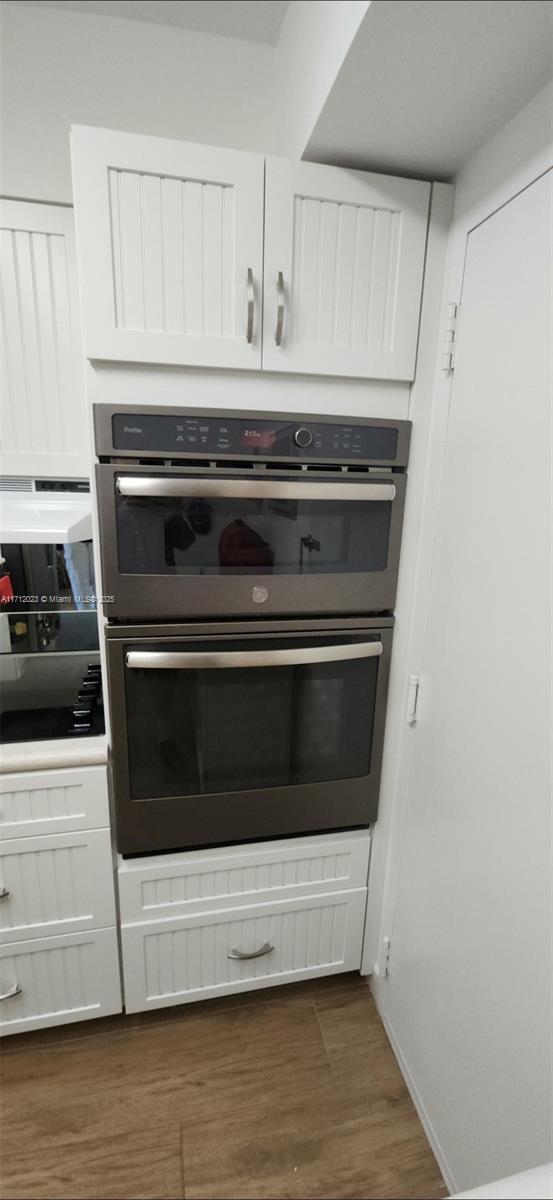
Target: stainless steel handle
(14, 991)
(183, 660)
(253, 489)
(266, 949)
(280, 308)
(251, 301)
(4, 893)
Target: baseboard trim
(414, 1094)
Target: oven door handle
(147, 486)
(177, 660)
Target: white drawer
(152, 889)
(56, 884)
(37, 802)
(62, 979)
(172, 962)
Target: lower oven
(229, 732)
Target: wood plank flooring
(290, 1092)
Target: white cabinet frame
(44, 426)
(170, 243)
(344, 261)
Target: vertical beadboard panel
(53, 801)
(61, 979)
(173, 254)
(193, 957)
(43, 395)
(345, 274)
(172, 890)
(58, 883)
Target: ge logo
(260, 595)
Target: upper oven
(246, 515)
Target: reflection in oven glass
(172, 536)
(198, 731)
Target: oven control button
(303, 437)
(260, 594)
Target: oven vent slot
(234, 464)
(283, 466)
(324, 467)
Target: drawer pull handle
(266, 949)
(4, 893)
(14, 991)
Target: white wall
(315, 39)
(61, 68)
(474, 1042)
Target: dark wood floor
(290, 1092)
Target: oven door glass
(284, 528)
(231, 716)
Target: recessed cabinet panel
(44, 802)
(57, 980)
(170, 249)
(56, 884)
(235, 950)
(44, 428)
(344, 258)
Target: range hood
(37, 517)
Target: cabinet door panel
(241, 949)
(56, 884)
(44, 427)
(57, 980)
(350, 246)
(167, 232)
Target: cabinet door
(348, 248)
(33, 803)
(57, 980)
(170, 245)
(44, 426)
(57, 884)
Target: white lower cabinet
(59, 955)
(37, 802)
(57, 884)
(173, 885)
(218, 953)
(215, 922)
(57, 980)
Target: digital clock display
(262, 439)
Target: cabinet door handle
(266, 949)
(280, 308)
(4, 893)
(14, 991)
(251, 302)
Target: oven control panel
(251, 437)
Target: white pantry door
(468, 997)
(170, 246)
(43, 430)
(349, 248)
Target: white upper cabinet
(172, 260)
(44, 429)
(344, 261)
(170, 245)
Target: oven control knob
(303, 437)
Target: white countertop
(536, 1184)
(52, 755)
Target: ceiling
(252, 20)
(425, 83)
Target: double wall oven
(249, 566)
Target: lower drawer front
(56, 885)
(196, 957)
(52, 981)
